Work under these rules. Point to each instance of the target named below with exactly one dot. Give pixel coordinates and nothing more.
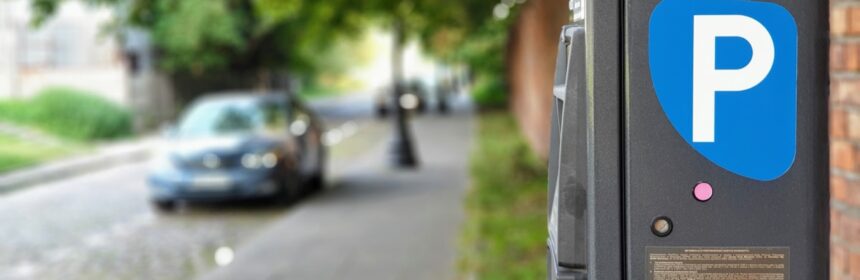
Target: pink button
(703, 192)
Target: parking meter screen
(725, 73)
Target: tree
(439, 24)
(259, 36)
(201, 36)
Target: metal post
(401, 151)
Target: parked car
(239, 145)
(414, 99)
(444, 90)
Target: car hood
(187, 148)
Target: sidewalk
(100, 158)
(373, 222)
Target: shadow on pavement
(268, 204)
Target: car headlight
(258, 160)
(409, 101)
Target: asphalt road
(101, 226)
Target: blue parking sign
(725, 73)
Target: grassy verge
(69, 114)
(505, 232)
(317, 92)
(16, 153)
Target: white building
(69, 50)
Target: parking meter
(689, 141)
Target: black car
(414, 99)
(239, 145)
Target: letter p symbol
(725, 74)
(708, 80)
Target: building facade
(71, 49)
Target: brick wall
(531, 65)
(845, 139)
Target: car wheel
(317, 180)
(165, 205)
(381, 111)
(316, 183)
(443, 106)
(291, 189)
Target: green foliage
(201, 36)
(70, 114)
(485, 55)
(196, 34)
(442, 26)
(485, 51)
(17, 153)
(489, 92)
(315, 90)
(505, 232)
(271, 12)
(253, 38)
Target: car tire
(443, 106)
(381, 112)
(165, 205)
(290, 190)
(316, 180)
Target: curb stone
(101, 158)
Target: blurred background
(290, 139)
(274, 139)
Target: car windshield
(232, 117)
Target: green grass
(16, 153)
(317, 91)
(69, 114)
(505, 232)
